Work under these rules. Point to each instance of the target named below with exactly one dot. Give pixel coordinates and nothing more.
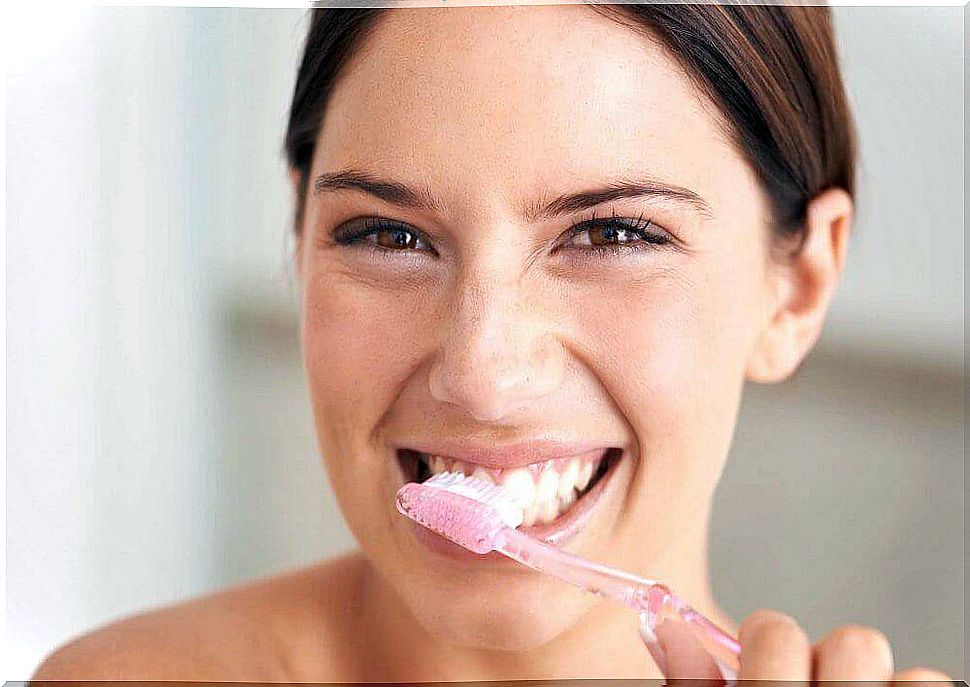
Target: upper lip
(507, 455)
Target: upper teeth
(543, 494)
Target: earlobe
(804, 287)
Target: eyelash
(655, 240)
(351, 235)
(348, 234)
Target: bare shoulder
(287, 627)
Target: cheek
(359, 345)
(672, 353)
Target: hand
(774, 647)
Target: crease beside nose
(494, 363)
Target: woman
(564, 235)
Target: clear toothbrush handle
(661, 605)
(654, 602)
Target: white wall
(903, 290)
(159, 442)
(110, 477)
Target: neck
(604, 645)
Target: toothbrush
(483, 517)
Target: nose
(498, 352)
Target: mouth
(557, 495)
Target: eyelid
(638, 224)
(353, 232)
(356, 230)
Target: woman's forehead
(519, 98)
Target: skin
(505, 328)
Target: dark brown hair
(772, 72)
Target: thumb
(686, 657)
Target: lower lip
(556, 533)
(446, 548)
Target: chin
(510, 615)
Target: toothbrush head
(470, 512)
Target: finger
(687, 659)
(854, 653)
(650, 641)
(922, 677)
(774, 647)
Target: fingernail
(653, 645)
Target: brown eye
(382, 234)
(398, 238)
(617, 234)
(604, 235)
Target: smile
(546, 490)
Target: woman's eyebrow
(570, 203)
(403, 195)
(393, 192)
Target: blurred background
(159, 440)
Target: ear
(294, 175)
(802, 289)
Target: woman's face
(528, 245)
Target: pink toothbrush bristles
(465, 521)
